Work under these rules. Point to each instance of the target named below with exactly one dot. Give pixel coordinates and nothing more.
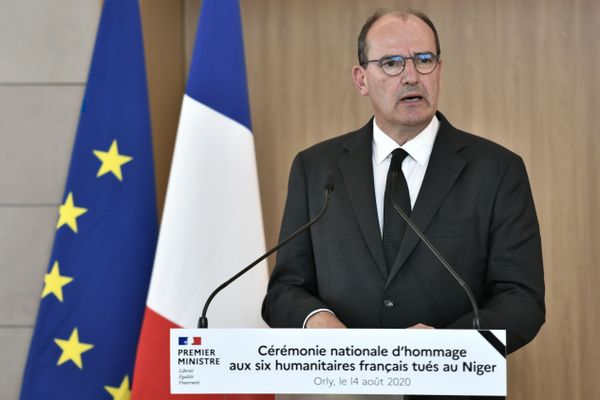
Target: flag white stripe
(212, 224)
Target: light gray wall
(45, 50)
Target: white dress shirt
(414, 165)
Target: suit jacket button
(387, 303)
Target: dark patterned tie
(393, 224)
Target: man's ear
(359, 76)
(440, 67)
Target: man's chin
(416, 121)
(415, 115)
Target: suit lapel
(357, 172)
(442, 171)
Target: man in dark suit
(359, 267)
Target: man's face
(406, 102)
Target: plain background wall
(522, 73)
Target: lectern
(339, 361)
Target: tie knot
(398, 156)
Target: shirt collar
(419, 147)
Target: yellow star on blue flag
(68, 213)
(122, 392)
(112, 161)
(72, 349)
(54, 282)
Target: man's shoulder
(486, 146)
(473, 146)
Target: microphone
(329, 187)
(476, 324)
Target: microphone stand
(476, 324)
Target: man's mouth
(410, 98)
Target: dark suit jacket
(475, 206)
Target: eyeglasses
(424, 63)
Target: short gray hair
(362, 37)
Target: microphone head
(329, 183)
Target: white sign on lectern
(339, 361)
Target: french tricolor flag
(185, 341)
(212, 221)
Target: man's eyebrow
(404, 56)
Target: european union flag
(94, 293)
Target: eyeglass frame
(381, 60)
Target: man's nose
(409, 76)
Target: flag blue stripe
(218, 71)
(111, 256)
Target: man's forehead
(397, 27)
